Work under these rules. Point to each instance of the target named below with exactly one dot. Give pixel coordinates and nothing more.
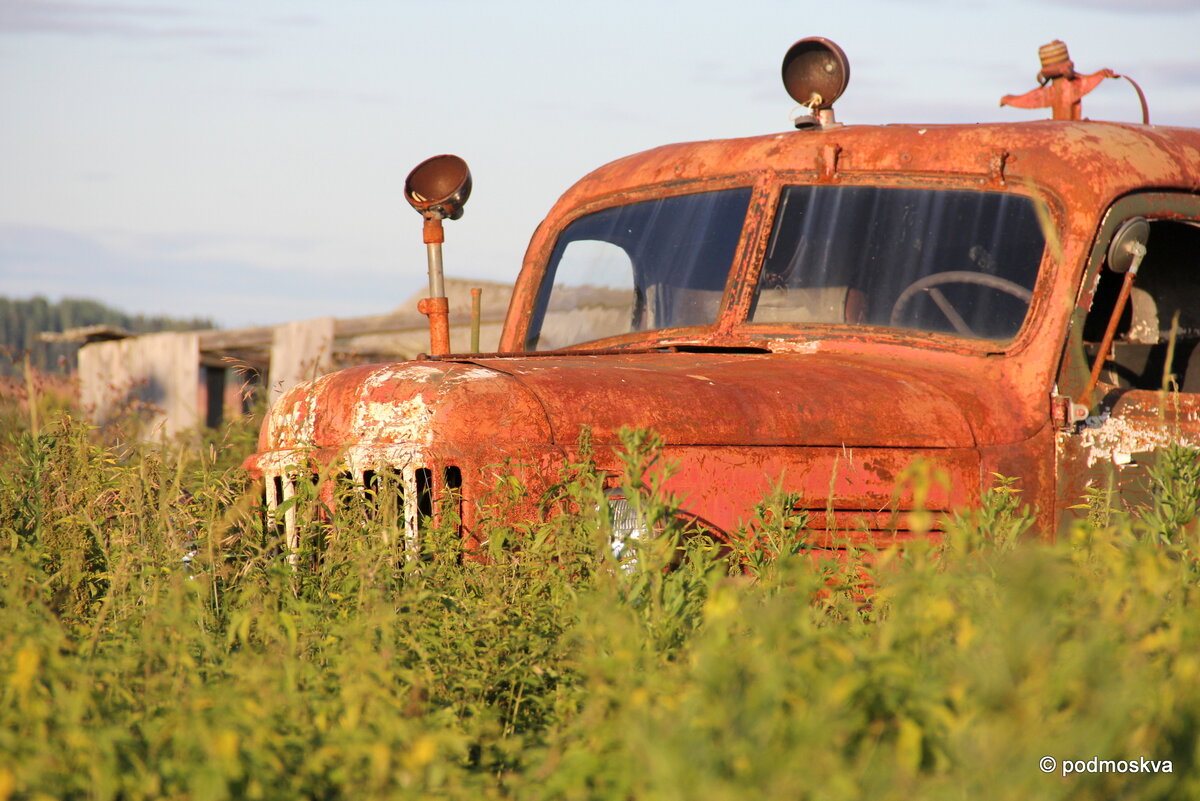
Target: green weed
(157, 641)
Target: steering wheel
(930, 283)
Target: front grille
(406, 500)
(825, 528)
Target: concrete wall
(154, 376)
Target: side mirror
(1128, 244)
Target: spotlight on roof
(815, 73)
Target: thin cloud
(125, 21)
(1126, 8)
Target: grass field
(155, 643)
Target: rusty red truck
(816, 310)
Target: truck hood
(739, 399)
(501, 404)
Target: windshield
(931, 260)
(640, 267)
(946, 261)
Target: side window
(650, 265)
(1158, 334)
(594, 295)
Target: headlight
(627, 526)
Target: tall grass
(156, 643)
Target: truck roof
(1085, 161)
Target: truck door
(1147, 393)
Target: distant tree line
(22, 320)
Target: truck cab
(820, 311)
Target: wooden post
(300, 351)
(31, 396)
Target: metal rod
(437, 285)
(436, 307)
(1111, 332)
(476, 292)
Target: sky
(244, 160)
